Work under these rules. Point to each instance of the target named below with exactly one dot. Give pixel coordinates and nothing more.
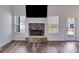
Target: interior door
(70, 28)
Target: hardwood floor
(49, 47)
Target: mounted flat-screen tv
(36, 11)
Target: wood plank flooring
(49, 47)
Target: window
(20, 24)
(53, 23)
(70, 26)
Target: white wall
(19, 10)
(5, 25)
(61, 11)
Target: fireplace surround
(36, 29)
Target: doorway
(70, 29)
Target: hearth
(36, 32)
(36, 29)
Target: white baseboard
(19, 39)
(56, 40)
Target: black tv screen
(36, 11)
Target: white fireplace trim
(36, 20)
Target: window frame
(16, 23)
(50, 19)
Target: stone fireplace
(36, 29)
